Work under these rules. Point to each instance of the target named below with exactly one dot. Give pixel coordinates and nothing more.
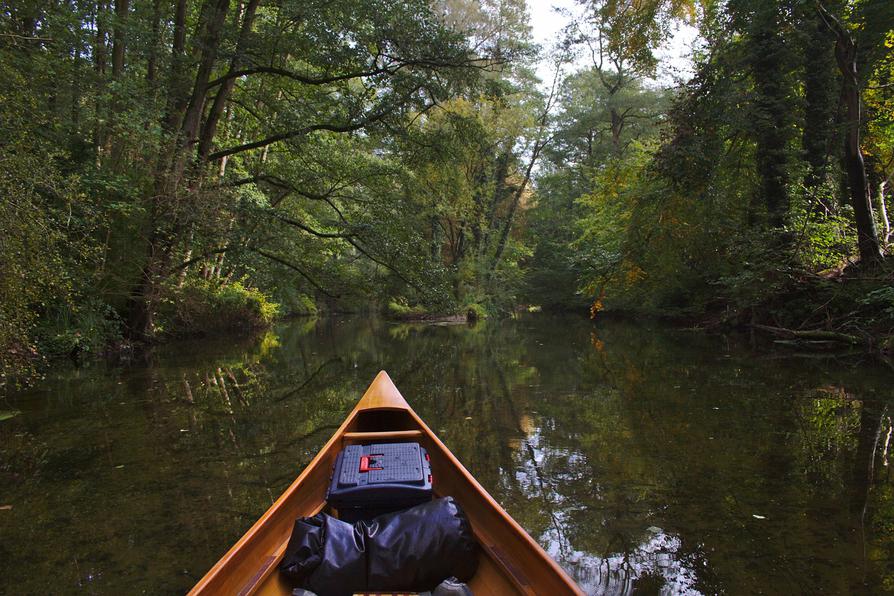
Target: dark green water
(643, 459)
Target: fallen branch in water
(812, 335)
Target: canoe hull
(510, 562)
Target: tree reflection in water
(644, 460)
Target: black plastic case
(369, 480)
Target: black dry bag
(411, 550)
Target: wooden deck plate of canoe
(510, 561)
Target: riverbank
(847, 308)
(195, 309)
(840, 310)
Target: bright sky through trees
(548, 17)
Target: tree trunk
(141, 302)
(152, 61)
(114, 144)
(166, 219)
(501, 172)
(867, 234)
(76, 96)
(121, 9)
(99, 45)
(99, 65)
(177, 80)
(617, 125)
(883, 210)
(220, 100)
(516, 199)
(820, 110)
(209, 44)
(771, 120)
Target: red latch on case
(366, 460)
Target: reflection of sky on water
(657, 560)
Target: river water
(643, 459)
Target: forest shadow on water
(643, 459)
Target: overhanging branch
(392, 68)
(385, 264)
(294, 133)
(293, 267)
(308, 229)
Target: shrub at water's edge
(475, 312)
(94, 328)
(201, 307)
(401, 311)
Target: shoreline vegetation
(841, 310)
(194, 167)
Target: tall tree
(846, 56)
(386, 68)
(819, 138)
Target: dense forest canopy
(173, 167)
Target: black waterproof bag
(411, 550)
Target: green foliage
(85, 330)
(729, 200)
(759, 276)
(627, 35)
(333, 155)
(45, 225)
(398, 309)
(201, 306)
(303, 175)
(825, 240)
(881, 302)
(552, 273)
(302, 304)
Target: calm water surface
(643, 459)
